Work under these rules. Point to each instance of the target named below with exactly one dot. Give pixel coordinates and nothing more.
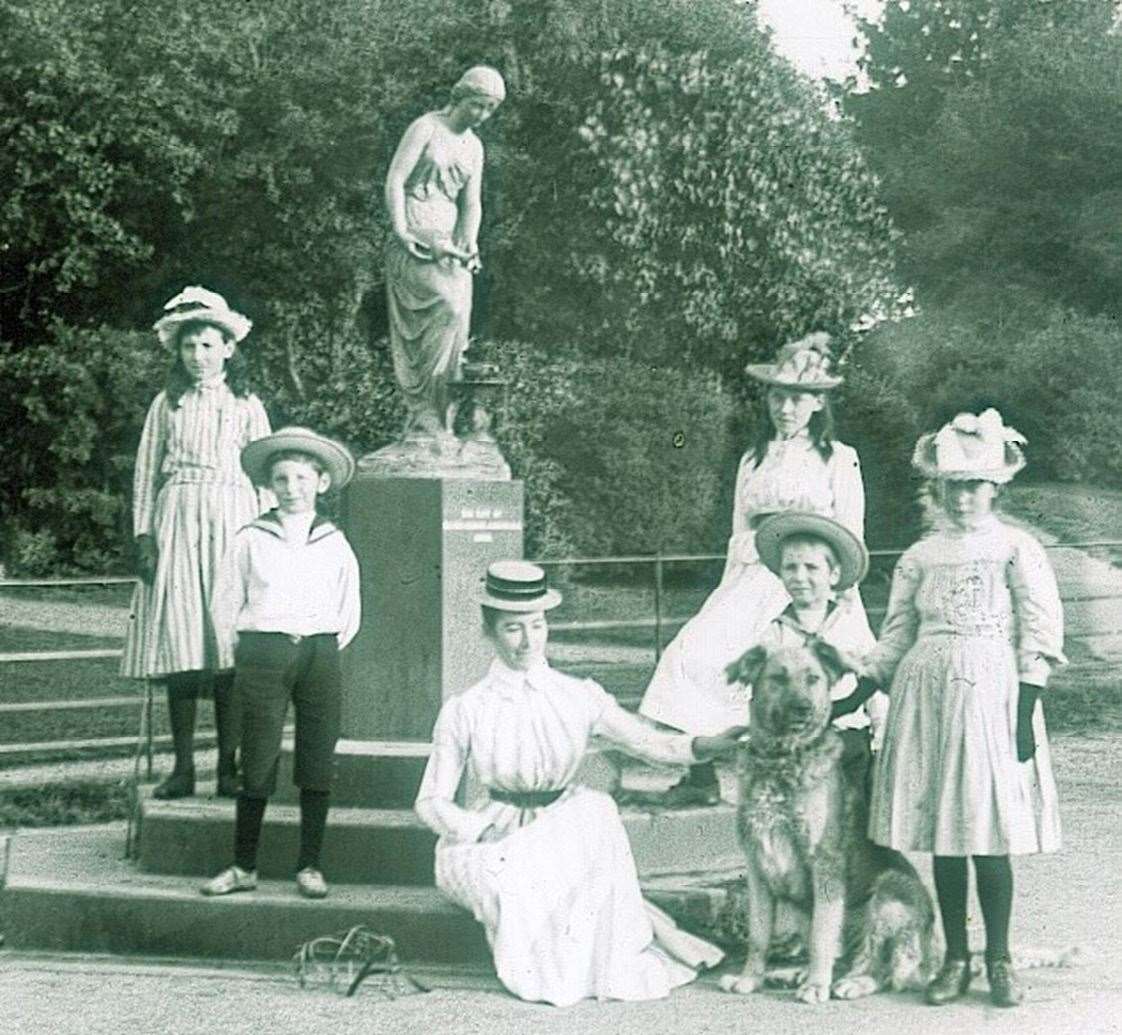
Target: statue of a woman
(433, 198)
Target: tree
(1014, 187)
(660, 187)
(918, 50)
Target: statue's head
(480, 81)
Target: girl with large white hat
(190, 496)
(974, 627)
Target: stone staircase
(74, 890)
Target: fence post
(148, 728)
(658, 605)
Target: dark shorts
(272, 669)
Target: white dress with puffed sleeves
(689, 689)
(971, 614)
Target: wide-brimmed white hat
(971, 448)
(199, 304)
(335, 457)
(517, 586)
(804, 365)
(852, 557)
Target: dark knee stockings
(249, 817)
(183, 690)
(993, 875)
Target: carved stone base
(422, 454)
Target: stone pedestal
(423, 545)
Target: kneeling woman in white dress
(542, 862)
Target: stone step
(73, 891)
(194, 836)
(368, 773)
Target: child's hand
(865, 689)
(147, 557)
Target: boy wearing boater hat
(817, 559)
(288, 594)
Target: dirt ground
(1072, 898)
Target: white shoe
(231, 879)
(310, 883)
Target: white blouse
(993, 582)
(525, 731)
(794, 476)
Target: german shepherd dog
(802, 820)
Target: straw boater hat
(805, 365)
(483, 80)
(852, 557)
(199, 304)
(971, 448)
(337, 461)
(517, 586)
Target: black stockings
(993, 875)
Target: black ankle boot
(181, 784)
(1005, 989)
(950, 983)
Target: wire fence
(656, 593)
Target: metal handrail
(658, 623)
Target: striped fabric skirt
(170, 628)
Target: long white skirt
(689, 689)
(564, 916)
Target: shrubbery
(73, 407)
(1054, 375)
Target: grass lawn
(1072, 513)
(46, 681)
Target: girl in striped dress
(190, 496)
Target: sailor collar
(270, 522)
(790, 618)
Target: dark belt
(525, 799)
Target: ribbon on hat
(974, 442)
(807, 359)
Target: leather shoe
(310, 883)
(231, 879)
(950, 983)
(1005, 989)
(178, 785)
